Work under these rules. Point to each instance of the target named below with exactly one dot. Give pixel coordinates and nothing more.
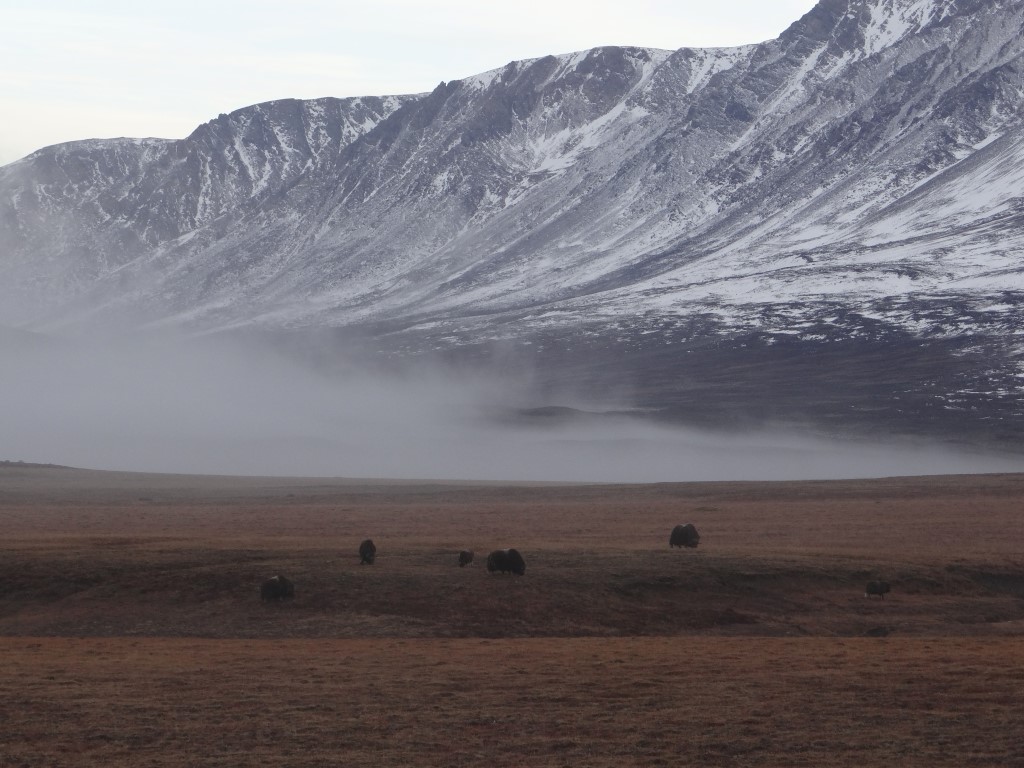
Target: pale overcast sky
(72, 70)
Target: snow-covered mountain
(826, 226)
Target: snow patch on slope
(893, 20)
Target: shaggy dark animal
(876, 588)
(684, 536)
(277, 588)
(506, 561)
(465, 558)
(497, 561)
(367, 552)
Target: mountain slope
(76, 213)
(854, 182)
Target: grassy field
(535, 702)
(132, 632)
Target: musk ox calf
(876, 588)
(465, 558)
(277, 588)
(506, 561)
(367, 552)
(684, 536)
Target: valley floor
(523, 702)
(132, 631)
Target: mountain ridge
(855, 180)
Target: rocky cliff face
(692, 223)
(73, 215)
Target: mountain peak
(857, 179)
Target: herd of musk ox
(509, 561)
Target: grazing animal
(277, 588)
(684, 536)
(876, 588)
(465, 558)
(367, 552)
(506, 561)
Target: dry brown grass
(132, 633)
(531, 702)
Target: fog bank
(213, 407)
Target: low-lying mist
(219, 407)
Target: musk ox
(277, 588)
(684, 536)
(465, 558)
(876, 588)
(367, 552)
(506, 561)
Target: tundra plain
(132, 631)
